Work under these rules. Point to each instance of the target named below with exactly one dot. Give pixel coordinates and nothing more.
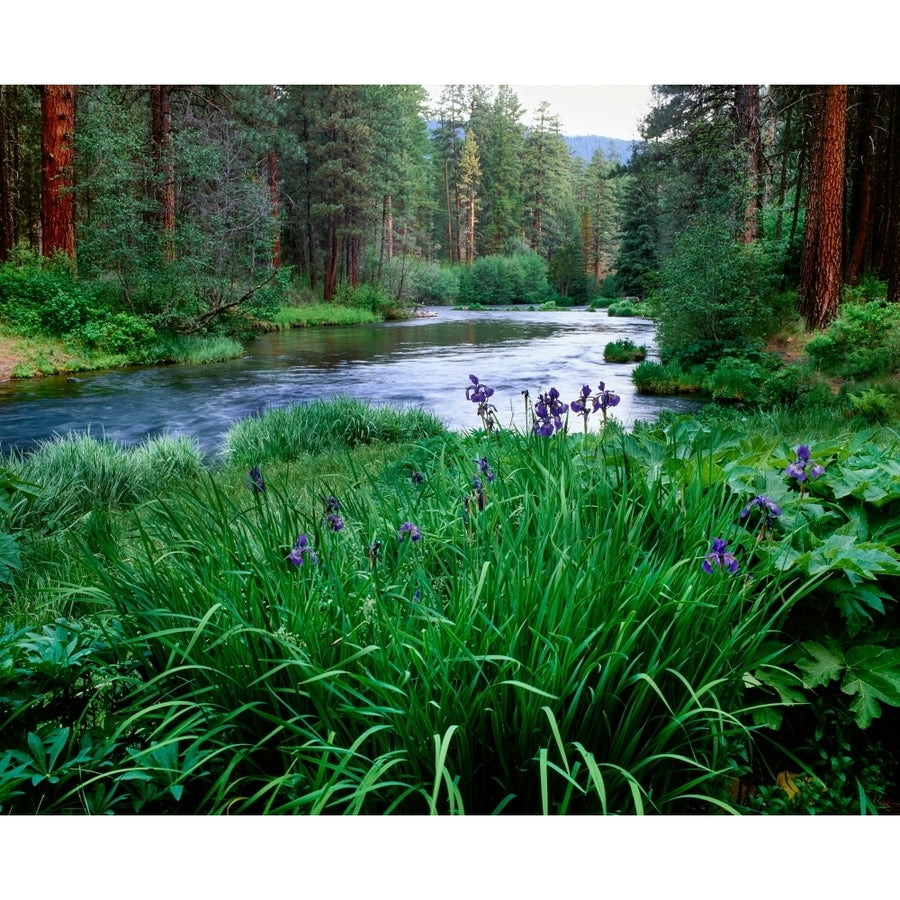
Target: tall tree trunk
(57, 173)
(449, 212)
(164, 165)
(893, 255)
(331, 263)
(7, 206)
(747, 106)
(274, 198)
(389, 226)
(822, 261)
(861, 197)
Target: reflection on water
(421, 363)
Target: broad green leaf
(823, 664)
(873, 675)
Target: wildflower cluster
(549, 409)
(548, 413)
(480, 393)
(801, 470)
(479, 491)
(766, 508)
(586, 402)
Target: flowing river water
(424, 362)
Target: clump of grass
(192, 349)
(309, 314)
(79, 474)
(664, 380)
(623, 351)
(287, 433)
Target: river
(424, 362)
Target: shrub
(734, 380)
(119, 333)
(874, 406)
(622, 308)
(712, 289)
(863, 342)
(436, 284)
(793, 386)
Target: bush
(793, 386)
(874, 406)
(436, 284)
(120, 333)
(42, 295)
(712, 289)
(734, 380)
(863, 342)
(622, 308)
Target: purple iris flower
(766, 505)
(800, 469)
(485, 468)
(335, 521)
(606, 398)
(548, 413)
(302, 552)
(411, 530)
(255, 481)
(480, 393)
(719, 557)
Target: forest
(178, 206)
(354, 610)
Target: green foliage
(874, 406)
(734, 379)
(566, 274)
(712, 289)
(118, 333)
(38, 295)
(660, 380)
(624, 350)
(290, 433)
(795, 386)
(622, 308)
(505, 280)
(863, 342)
(368, 298)
(436, 284)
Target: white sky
(608, 110)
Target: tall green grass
(554, 648)
(288, 433)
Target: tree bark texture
(750, 135)
(164, 164)
(57, 173)
(7, 206)
(822, 259)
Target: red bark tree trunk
(57, 173)
(822, 260)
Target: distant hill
(585, 145)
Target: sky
(610, 110)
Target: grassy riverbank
(406, 620)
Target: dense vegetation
(354, 611)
